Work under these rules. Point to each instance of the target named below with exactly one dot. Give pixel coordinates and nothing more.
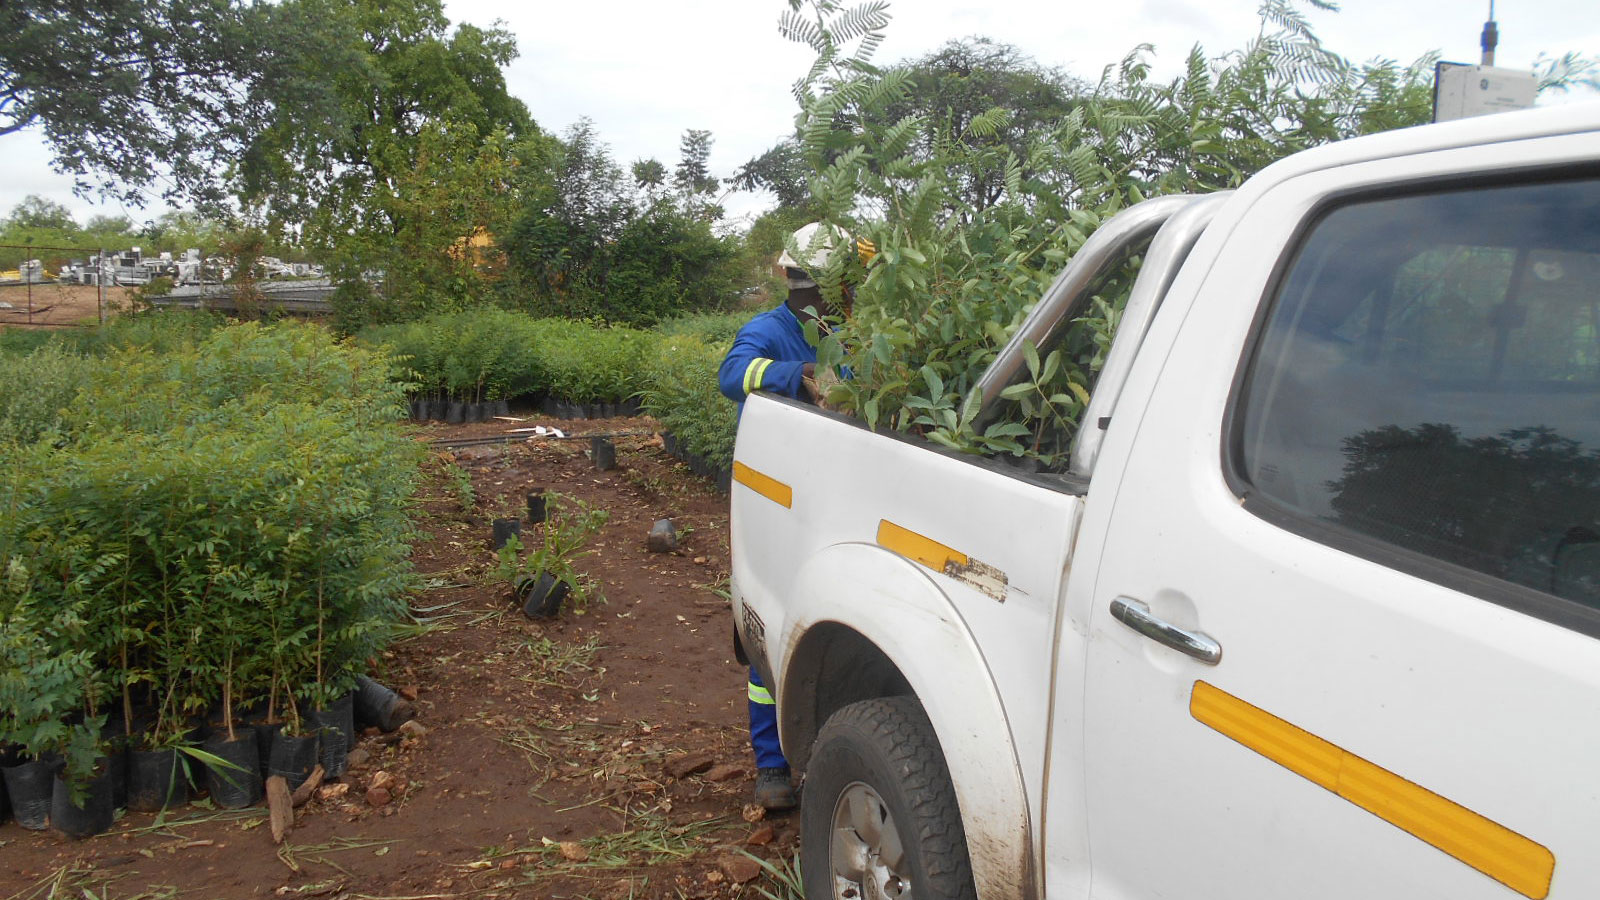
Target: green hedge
(711, 327)
(224, 522)
(491, 354)
(682, 395)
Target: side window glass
(1429, 377)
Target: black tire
(876, 766)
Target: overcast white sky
(646, 70)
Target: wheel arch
(905, 637)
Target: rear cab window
(1425, 391)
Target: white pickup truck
(1314, 612)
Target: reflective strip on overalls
(754, 372)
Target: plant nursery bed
(599, 754)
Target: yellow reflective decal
(1491, 848)
(765, 485)
(914, 546)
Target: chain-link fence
(71, 286)
(49, 288)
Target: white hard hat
(812, 248)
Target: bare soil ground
(54, 305)
(545, 769)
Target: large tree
(381, 73)
(136, 97)
(983, 95)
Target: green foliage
(223, 521)
(481, 354)
(435, 245)
(569, 524)
(583, 362)
(36, 388)
(588, 246)
(681, 393)
(15, 341)
(40, 212)
(39, 684)
(713, 328)
(972, 218)
(158, 331)
(489, 354)
(128, 91)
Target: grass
(249, 817)
(781, 879)
(75, 882)
(291, 855)
(556, 663)
(421, 620)
(650, 841)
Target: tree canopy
(136, 97)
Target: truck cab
(1314, 609)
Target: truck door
(1344, 635)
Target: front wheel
(879, 819)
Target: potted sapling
(82, 802)
(544, 576)
(158, 773)
(292, 750)
(39, 688)
(232, 756)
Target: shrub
(713, 328)
(682, 395)
(472, 356)
(491, 354)
(36, 388)
(583, 362)
(216, 526)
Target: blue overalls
(768, 354)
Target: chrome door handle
(1136, 615)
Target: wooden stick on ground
(280, 807)
(307, 788)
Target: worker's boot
(773, 789)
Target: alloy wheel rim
(866, 856)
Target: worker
(771, 353)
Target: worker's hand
(817, 383)
(808, 378)
(823, 382)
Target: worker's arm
(749, 366)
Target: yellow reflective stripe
(752, 373)
(759, 694)
(757, 382)
(765, 485)
(918, 548)
(1486, 845)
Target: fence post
(100, 284)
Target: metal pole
(100, 285)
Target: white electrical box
(1462, 91)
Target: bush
(491, 354)
(582, 362)
(156, 330)
(713, 328)
(36, 388)
(661, 264)
(472, 356)
(219, 526)
(22, 341)
(682, 395)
